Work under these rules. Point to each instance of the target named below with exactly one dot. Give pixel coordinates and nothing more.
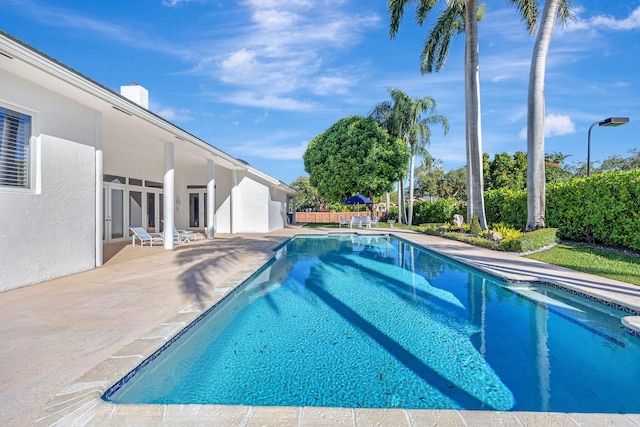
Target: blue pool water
(375, 322)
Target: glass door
(155, 211)
(114, 213)
(197, 209)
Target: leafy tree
(460, 16)
(554, 169)
(507, 171)
(438, 183)
(618, 163)
(611, 163)
(355, 155)
(404, 119)
(308, 197)
(536, 197)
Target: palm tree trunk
(411, 184)
(536, 180)
(472, 108)
(388, 205)
(400, 203)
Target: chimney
(136, 93)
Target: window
(15, 133)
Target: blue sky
(259, 79)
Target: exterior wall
(53, 229)
(224, 182)
(252, 208)
(277, 209)
(49, 231)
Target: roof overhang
(31, 64)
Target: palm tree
(383, 114)
(404, 119)
(536, 180)
(460, 16)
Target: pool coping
(81, 403)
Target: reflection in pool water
(372, 321)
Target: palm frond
(528, 12)
(436, 48)
(396, 11)
(423, 9)
(564, 11)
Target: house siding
(48, 231)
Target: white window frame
(33, 163)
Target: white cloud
(632, 22)
(240, 66)
(253, 99)
(171, 114)
(554, 124)
(285, 48)
(173, 3)
(262, 118)
(270, 150)
(327, 84)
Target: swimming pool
(375, 322)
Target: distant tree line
(509, 171)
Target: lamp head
(614, 121)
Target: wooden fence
(328, 217)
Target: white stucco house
(80, 164)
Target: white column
(99, 196)
(211, 199)
(169, 195)
(234, 201)
(293, 211)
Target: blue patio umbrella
(357, 200)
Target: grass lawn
(600, 262)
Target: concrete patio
(57, 332)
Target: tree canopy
(308, 197)
(355, 155)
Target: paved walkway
(56, 332)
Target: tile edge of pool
(82, 403)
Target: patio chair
(355, 220)
(365, 222)
(187, 235)
(145, 237)
(374, 222)
(342, 222)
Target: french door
(197, 208)
(155, 211)
(113, 196)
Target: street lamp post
(611, 121)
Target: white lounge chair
(187, 235)
(145, 237)
(342, 222)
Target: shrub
(476, 241)
(433, 229)
(507, 232)
(392, 213)
(475, 228)
(530, 241)
(439, 211)
(602, 208)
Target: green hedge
(507, 206)
(603, 208)
(439, 210)
(531, 241)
